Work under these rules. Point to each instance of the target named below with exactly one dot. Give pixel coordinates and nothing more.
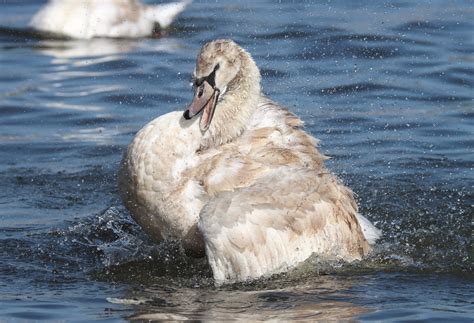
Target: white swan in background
(86, 19)
(245, 184)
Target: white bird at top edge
(86, 19)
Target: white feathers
(260, 212)
(274, 225)
(166, 13)
(254, 184)
(371, 233)
(85, 19)
(151, 177)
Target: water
(388, 88)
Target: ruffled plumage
(258, 203)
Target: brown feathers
(254, 183)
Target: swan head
(226, 84)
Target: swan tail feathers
(165, 14)
(371, 233)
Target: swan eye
(201, 90)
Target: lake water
(386, 85)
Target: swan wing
(275, 224)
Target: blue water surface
(386, 85)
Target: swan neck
(237, 105)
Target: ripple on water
(435, 27)
(355, 89)
(140, 100)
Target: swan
(86, 19)
(245, 185)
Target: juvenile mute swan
(245, 184)
(85, 19)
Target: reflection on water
(100, 49)
(323, 299)
(82, 48)
(387, 87)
